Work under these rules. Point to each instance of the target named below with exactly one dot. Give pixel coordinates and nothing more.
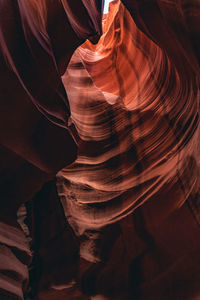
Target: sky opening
(106, 6)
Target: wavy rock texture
(137, 117)
(134, 100)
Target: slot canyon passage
(99, 150)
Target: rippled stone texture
(137, 118)
(132, 196)
(134, 100)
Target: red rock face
(137, 117)
(134, 100)
(132, 195)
